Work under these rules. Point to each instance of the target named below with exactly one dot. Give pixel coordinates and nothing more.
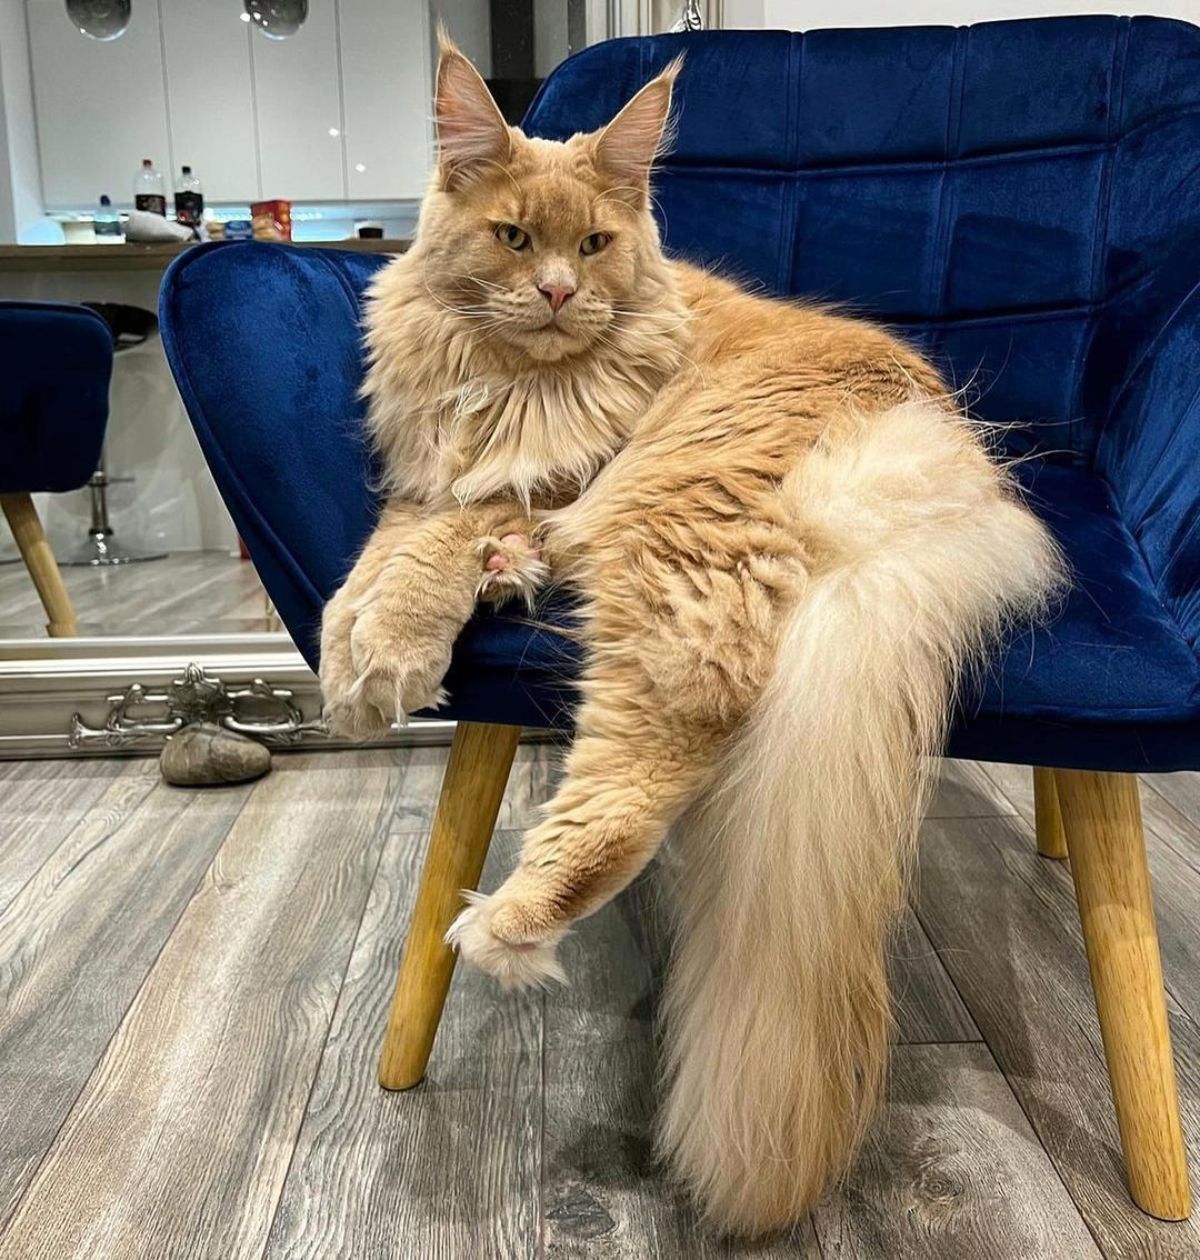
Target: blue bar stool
(56, 363)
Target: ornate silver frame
(100, 696)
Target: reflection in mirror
(277, 19)
(100, 19)
(322, 140)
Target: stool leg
(1051, 842)
(102, 548)
(1103, 822)
(476, 775)
(39, 560)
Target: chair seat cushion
(1110, 682)
(270, 368)
(53, 395)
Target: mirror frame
(92, 696)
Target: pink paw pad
(498, 560)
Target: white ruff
(453, 415)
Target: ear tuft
(640, 134)
(472, 133)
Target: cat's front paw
(383, 672)
(347, 711)
(349, 714)
(397, 672)
(492, 935)
(513, 568)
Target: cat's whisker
(487, 284)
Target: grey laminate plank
(187, 592)
(179, 1144)
(952, 1171)
(77, 941)
(1173, 849)
(963, 790)
(1005, 925)
(1182, 789)
(1171, 812)
(205, 589)
(40, 802)
(1170, 805)
(442, 1172)
(928, 1006)
(536, 770)
(1015, 782)
(604, 1196)
(417, 793)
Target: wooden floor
(191, 592)
(193, 986)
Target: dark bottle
(148, 191)
(189, 199)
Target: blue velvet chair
(55, 368)
(1020, 198)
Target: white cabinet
(338, 111)
(101, 106)
(297, 88)
(386, 94)
(210, 96)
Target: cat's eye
(514, 237)
(594, 243)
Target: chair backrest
(986, 188)
(265, 345)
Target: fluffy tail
(792, 869)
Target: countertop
(134, 257)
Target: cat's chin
(548, 345)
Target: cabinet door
(386, 85)
(210, 95)
(101, 105)
(300, 110)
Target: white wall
(20, 177)
(798, 15)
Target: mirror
(100, 19)
(330, 135)
(277, 19)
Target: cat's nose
(556, 294)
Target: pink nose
(556, 294)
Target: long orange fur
(789, 542)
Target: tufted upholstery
(57, 363)
(1021, 198)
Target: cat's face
(538, 245)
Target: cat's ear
(627, 148)
(472, 134)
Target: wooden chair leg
(476, 774)
(39, 560)
(1051, 842)
(1103, 823)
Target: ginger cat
(789, 543)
